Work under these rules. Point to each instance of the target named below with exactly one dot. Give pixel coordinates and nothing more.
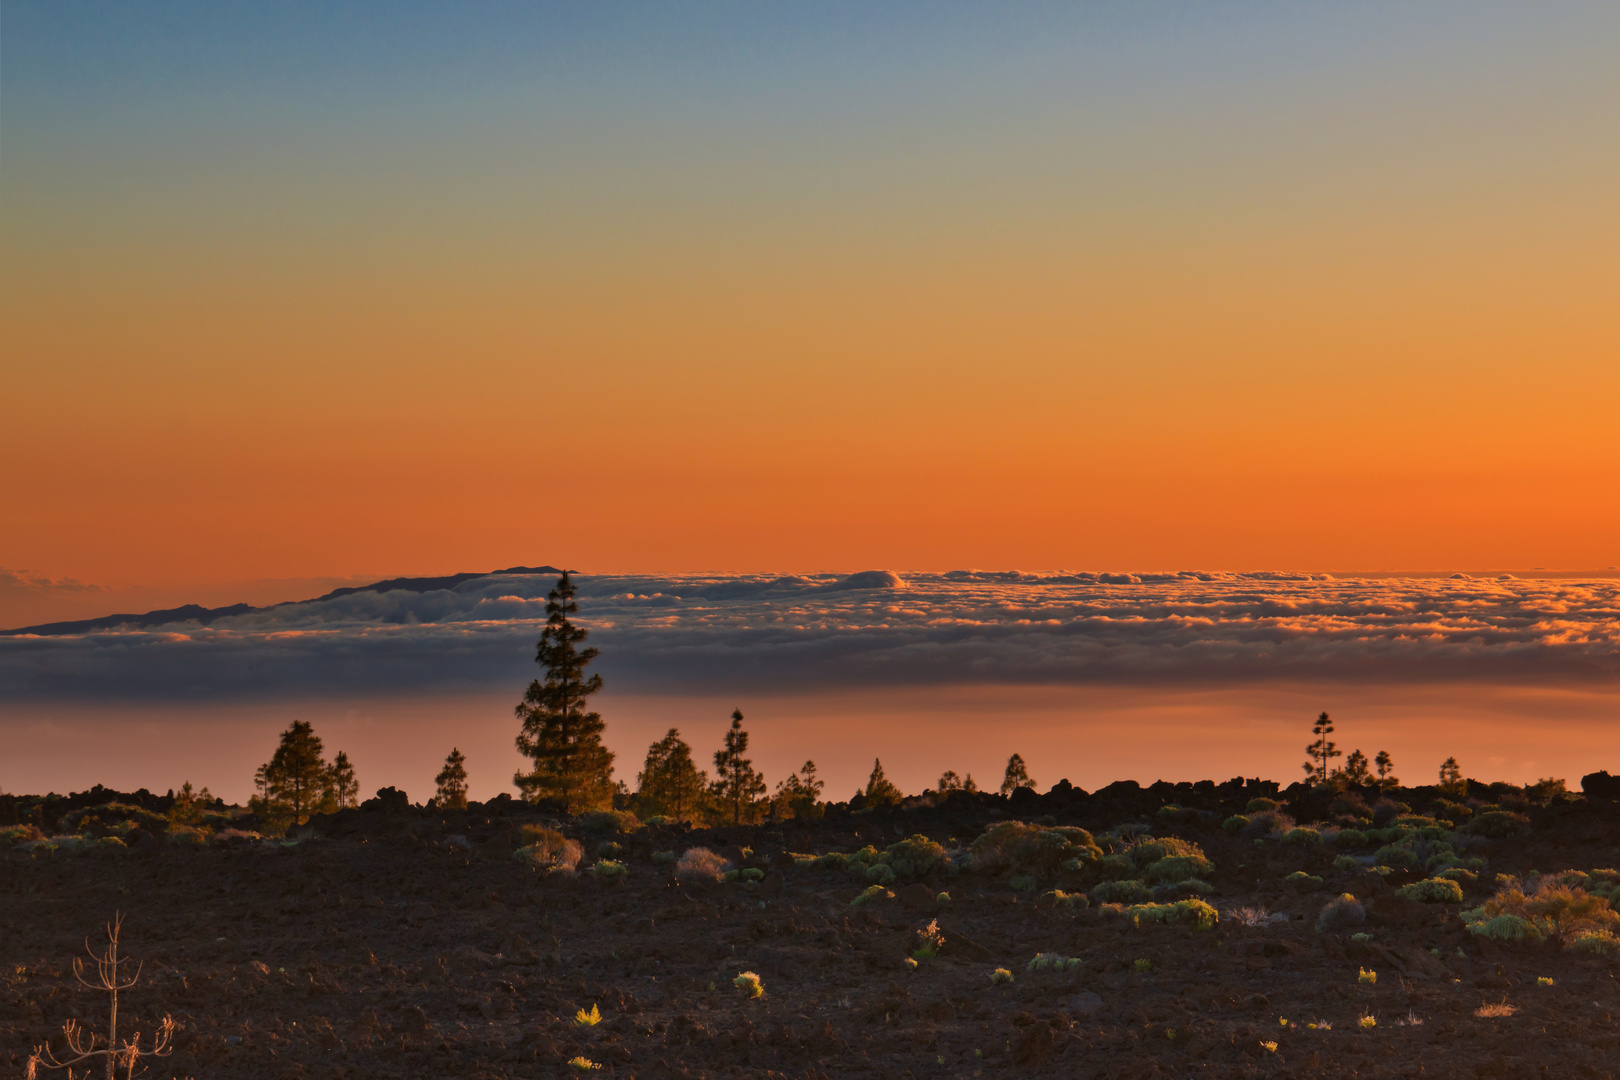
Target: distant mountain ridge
(198, 613)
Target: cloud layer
(819, 632)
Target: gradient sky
(313, 290)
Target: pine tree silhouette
(1321, 752)
(571, 766)
(879, 790)
(1017, 775)
(670, 784)
(1386, 770)
(736, 785)
(452, 781)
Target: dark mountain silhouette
(199, 614)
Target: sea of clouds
(708, 633)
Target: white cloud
(704, 633)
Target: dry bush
(549, 850)
(1554, 910)
(700, 865)
(1495, 1009)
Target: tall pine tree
(669, 784)
(1016, 776)
(452, 781)
(1322, 752)
(571, 766)
(296, 782)
(737, 787)
(880, 790)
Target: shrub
(109, 816)
(699, 864)
(1235, 823)
(1190, 887)
(1361, 939)
(17, 835)
(750, 984)
(1497, 824)
(1142, 966)
(913, 858)
(187, 836)
(1340, 913)
(1197, 912)
(609, 821)
(1397, 855)
(582, 1065)
(1179, 868)
(1121, 892)
(870, 893)
(1433, 891)
(588, 1019)
(1350, 838)
(929, 941)
(1554, 910)
(1019, 848)
(663, 858)
(549, 850)
(1072, 901)
(1458, 874)
(1257, 806)
(1269, 823)
(609, 850)
(1596, 942)
(1506, 928)
(1367, 978)
(609, 870)
(1301, 879)
(1346, 863)
(747, 874)
(1302, 836)
(1000, 976)
(1052, 962)
(1023, 882)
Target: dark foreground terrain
(408, 943)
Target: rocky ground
(407, 943)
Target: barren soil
(413, 944)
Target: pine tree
(799, 796)
(452, 781)
(296, 782)
(1017, 776)
(879, 790)
(948, 781)
(571, 766)
(189, 805)
(736, 785)
(345, 788)
(1386, 770)
(1355, 768)
(670, 784)
(1451, 778)
(1321, 752)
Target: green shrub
(1014, 847)
(1073, 901)
(663, 858)
(1300, 877)
(109, 816)
(549, 850)
(833, 860)
(1257, 806)
(17, 835)
(1121, 892)
(1235, 823)
(1197, 912)
(1302, 836)
(609, 821)
(880, 874)
(1596, 942)
(1396, 855)
(609, 850)
(1433, 891)
(747, 874)
(1553, 910)
(1052, 962)
(1341, 913)
(914, 858)
(1023, 882)
(1505, 928)
(1497, 824)
(1001, 976)
(1460, 875)
(1350, 838)
(872, 892)
(187, 836)
(609, 870)
(750, 984)
(1179, 868)
(1346, 863)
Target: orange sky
(1327, 305)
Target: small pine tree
(452, 781)
(799, 796)
(189, 805)
(571, 766)
(1017, 776)
(1355, 768)
(1322, 752)
(737, 787)
(1451, 778)
(1386, 770)
(879, 790)
(296, 783)
(345, 788)
(670, 784)
(948, 781)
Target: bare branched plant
(85, 1047)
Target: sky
(304, 293)
(1168, 310)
